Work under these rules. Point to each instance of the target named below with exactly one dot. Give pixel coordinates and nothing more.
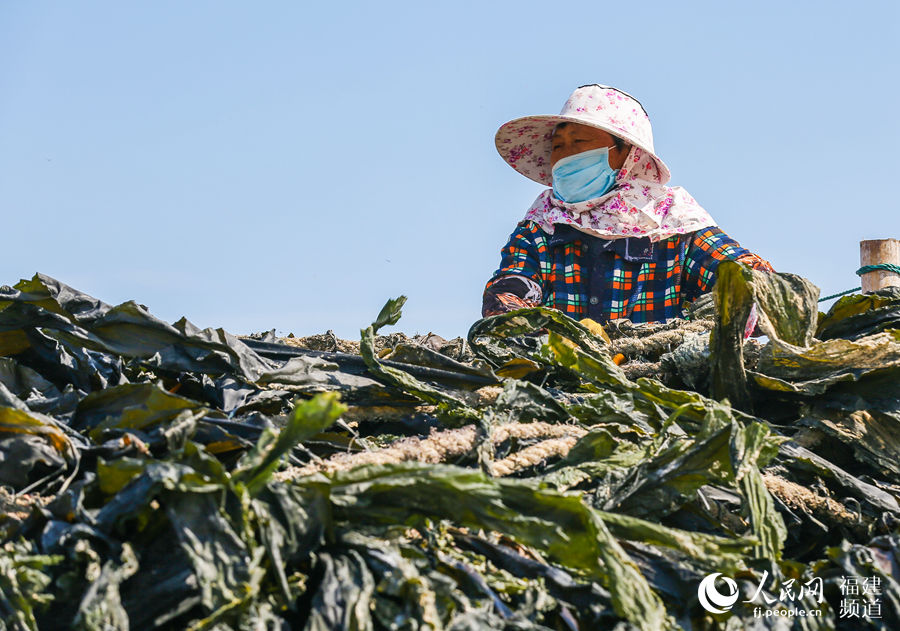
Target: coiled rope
(865, 269)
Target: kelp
(390, 314)
(785, 305)
(192, 479)
(560, 525)
(815, 369)
(23, 584)
(859, 315)
(31, 442)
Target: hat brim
(525, 144)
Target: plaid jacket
(601, 279)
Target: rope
(890, 267)
(843, 293)
(866, 269)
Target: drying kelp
(541, 474)
(858, 315)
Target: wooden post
(873, 253)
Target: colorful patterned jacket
(602, 279)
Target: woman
(608, 240)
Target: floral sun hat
(639, 205)
(525, 143)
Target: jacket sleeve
(706, 249)
(518, 282)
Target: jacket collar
(630, 248)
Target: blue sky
(293, 165)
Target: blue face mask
(584, 176)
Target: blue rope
(843, 293)
(865, 269)
(890, 267)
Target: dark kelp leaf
(517, 368)
(711, 552)
(308, 419)
(859, 315)
(27, 458)
(101, 607)
(132, 506)
(650, 396)
(419, 355)
(164, 592)
(515, 335)
(596, 367)
(28, 439)
(343, 593)
(24, 577)
(591, 601)
(528, 401)
(598, 445)
(801, 460)
(872, 434)
(129, 407)
(401, 379)
(79, 321)
(786, 306)
(292, 522)
(408, 585)
(751, 449)
(561, 526)
(734, 302)
(813, 370)
(314, 374)
(62, 352)
(10, 400)
(663, 483)
(54, 296)
(27, 384)
(610, 407)
(227, 568)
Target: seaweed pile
(159, 476)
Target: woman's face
(571, 138)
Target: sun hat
(525, 143)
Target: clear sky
(292, 165)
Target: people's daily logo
(793, 598)
(712, 599)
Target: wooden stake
(876, 252)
